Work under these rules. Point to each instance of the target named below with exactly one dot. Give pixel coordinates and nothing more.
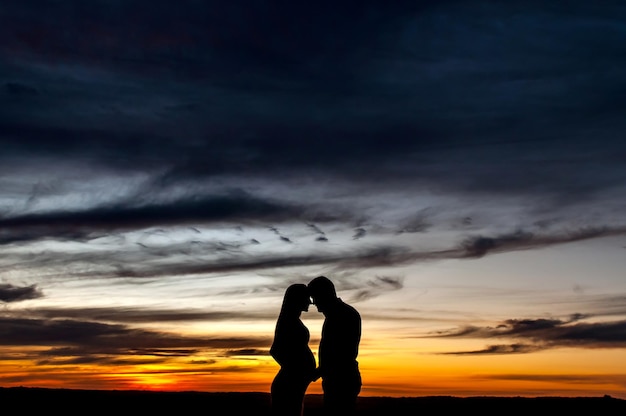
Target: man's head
(322, 292)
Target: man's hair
(322, 285)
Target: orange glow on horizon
(399, 372)
(377, 381)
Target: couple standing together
(337, 353)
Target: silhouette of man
(291, 351)
(338, 350)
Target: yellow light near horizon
(153, 382)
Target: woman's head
(296, 298)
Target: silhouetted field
(117, 402)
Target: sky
(457, 168)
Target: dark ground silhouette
(70, 402)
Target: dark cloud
(539, 334)
(501, 349)
(479, 246)
(376, 286)
(69, 357)
(134, 315)
(11, 293)
(245, 352)
(417, 224)
(220, 88)
(359, 233)
(74, 338)
(233, 206)
(387, 281)
(618, 379)
(19, 89)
